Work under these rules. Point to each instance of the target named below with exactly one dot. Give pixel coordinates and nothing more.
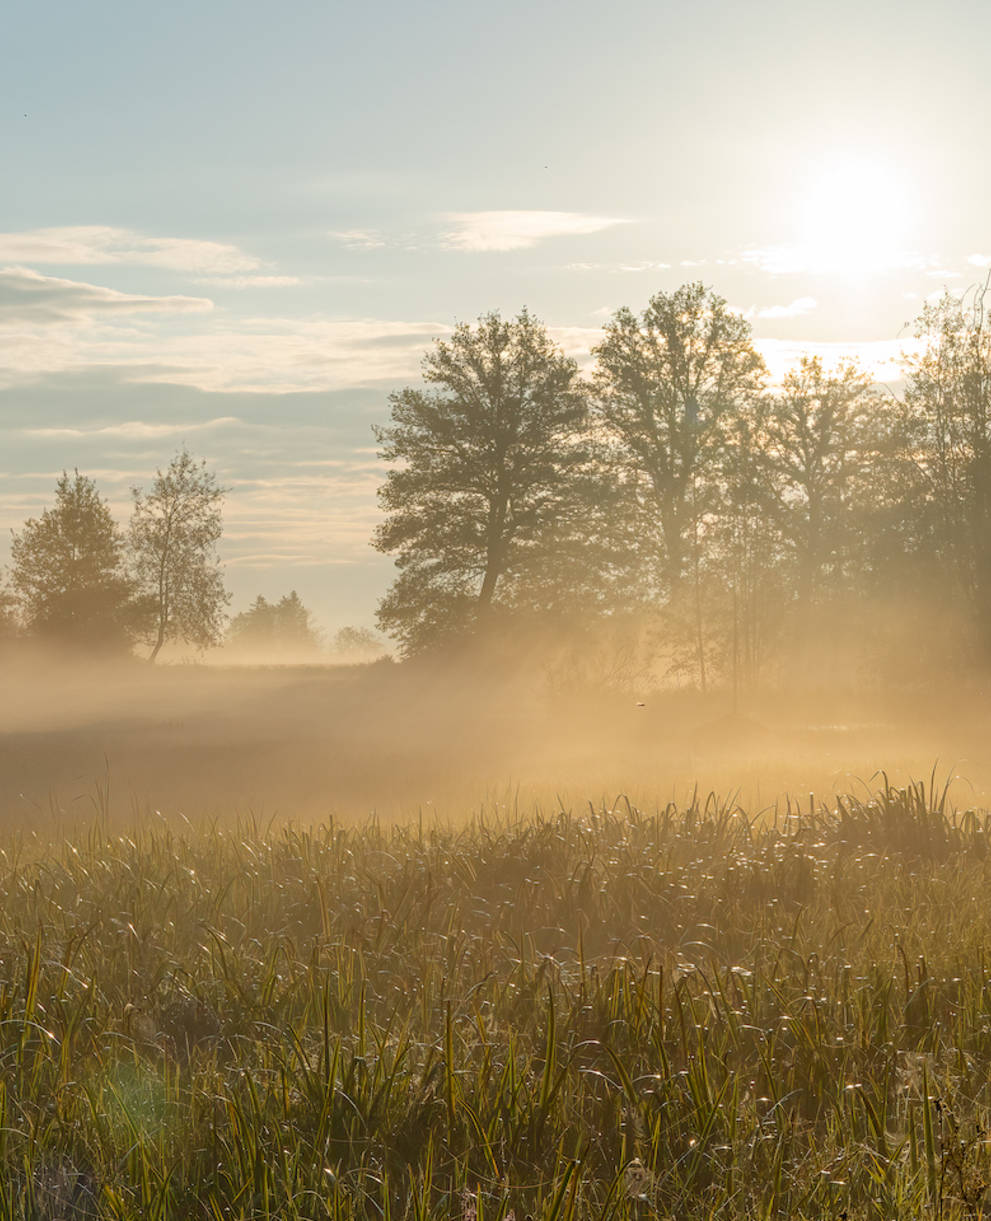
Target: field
(432, 982)
(597, 1013)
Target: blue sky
(237, 226)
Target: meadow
(610, 1012)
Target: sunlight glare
(855, 217)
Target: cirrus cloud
(84, 245)
(518, 230)
(29, 297)
(796, 308)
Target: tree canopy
(485, 480)
(68, 572)
(175, 528)
(281, 630)
(668, 382)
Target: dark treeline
(679, 514)
(668, 514)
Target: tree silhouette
(820, 432)
(488, 460)
(274, 628)
(174, 532)
(948, 394)
(68, 572)
(666, 382)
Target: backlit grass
(686, 1013)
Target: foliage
(484, 485)
(358, 644)
(614, 1014)
(668, 383)
(173, 537)
(820, 432)
(68, 572)
(276, 629)
(9, 626)
(949, 398)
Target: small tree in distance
(68, 572)
(276, 629)
(174, 532)
(358, 644)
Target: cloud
(132, 430)
(640, 265)
(518, 230)
(82, 245)
(979, 260)
(786, 260)
(250, 281)
(72, 328)
(29, 297)
(798, 307)
(359, 239)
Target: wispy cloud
(979, 260)
(27, 296)
(82, 245)
(636, 266)
(71, 328)
(359, 239)
(140, 430)
(518, 230)
(239, 282)
(798, 307)
(795, 259)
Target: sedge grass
(607, 1013)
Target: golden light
(855, 216)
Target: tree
(489, 462)
(358, 644)
(275, 629)
(9, 627)
(68, 572)
(666, 383)
(173, 537)
(820, 432)
(948, 395)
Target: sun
(854, 216)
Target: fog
(445, 739)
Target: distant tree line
(684, 508)
(81, 584)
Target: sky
(238, 226)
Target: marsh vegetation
(696, 1011)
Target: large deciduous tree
(821, 431)
(484, 493)
(68, 572)
(667, 382)
(948, 394)
(173, 538)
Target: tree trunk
(495, 552)
(159, 641)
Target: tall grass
(604, 1013)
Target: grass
(599, 1014)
